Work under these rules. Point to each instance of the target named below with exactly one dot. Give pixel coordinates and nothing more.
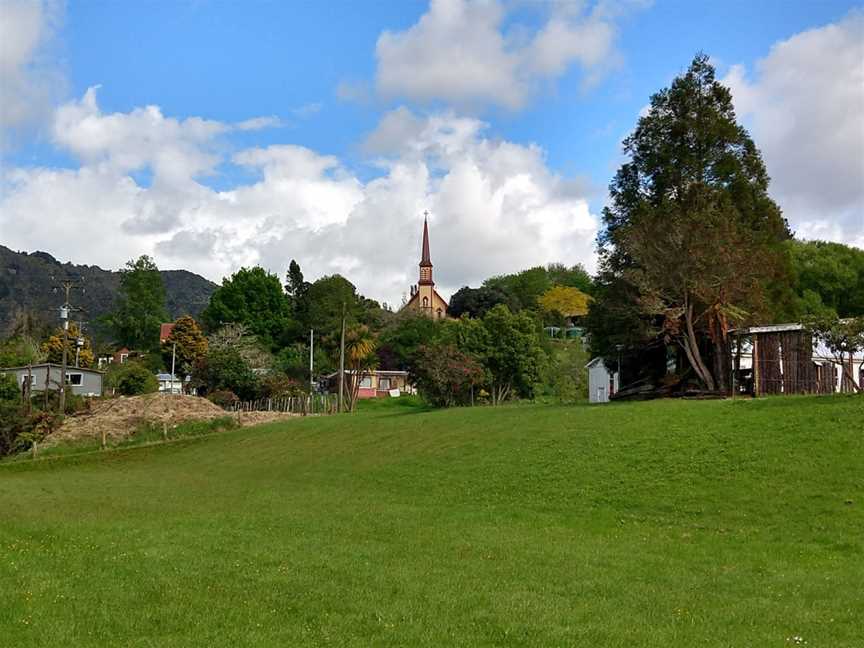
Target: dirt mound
(119, 417)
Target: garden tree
(360, 359)
(475, 302)
(525, 286)
(690, 233)
(140, 306)
(239, 338)
(399, 342)
(843, 338)
(52, 348)
(324, 300)
(253, 297)
(514, 356)
(446, 376)
(829, 277)
(574, 277)
(293, 361)
(186, 344)
(565, 377)
(225, 369)
(20, 350)
(295, 289)
(564, 301)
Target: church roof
(426, 259)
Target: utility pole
(65, 309)
(342, 361)
(173, 358)
(311, 356)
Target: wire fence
(309, 404)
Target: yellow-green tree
(53, 347)
(191, 344)
(565, 300)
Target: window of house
(74, 379)
(24, 380)
(366, 383)
(383, 383)
(124, 357)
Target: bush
(223, 398)
(446, 376)
(226, 370)
(277, 384)
(131, 379)
(9, 388)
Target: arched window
(440, 313)
(425, 302)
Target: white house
(602, 383)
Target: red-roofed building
(165, 331)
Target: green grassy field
(647, 524)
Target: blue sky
(227, 62)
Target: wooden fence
(309, 404)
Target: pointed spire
(426, 259)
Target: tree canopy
(692, 242)
(253, 297)
(140, 306)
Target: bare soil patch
(118, 417)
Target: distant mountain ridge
(26, 287)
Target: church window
(425, 302)
(440, 313)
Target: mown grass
(647, 524)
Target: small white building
(169, 384)
(602, 383)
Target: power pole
(65, 309)
(311, 356)
(173, 358)
(342, 361)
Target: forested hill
(26, 287)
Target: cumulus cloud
(29, 82)
(464, 53)
(495, 205)
(804, 104)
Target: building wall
(601, 383)
(91, 382)
(428, 302)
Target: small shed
(82, 381)
(602, 383)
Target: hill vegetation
(26, 289)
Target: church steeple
(426, 259)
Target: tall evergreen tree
(140, 306)
(692, 242)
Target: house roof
(373, 372)
(775, 328)
(69, 369)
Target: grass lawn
(646, 524)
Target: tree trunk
(691, 348)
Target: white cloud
(805, 108)
(466, 54)
(29, 82)
(495, 205)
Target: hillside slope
(26, 286)
(638, 524)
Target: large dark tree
(253, 297)
(140, 306)
(475, 302)
(692, 243)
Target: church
(424, 298)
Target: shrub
(8, 388)
(132, 379)
(223, 398)
(446, 376)
(277, 384)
